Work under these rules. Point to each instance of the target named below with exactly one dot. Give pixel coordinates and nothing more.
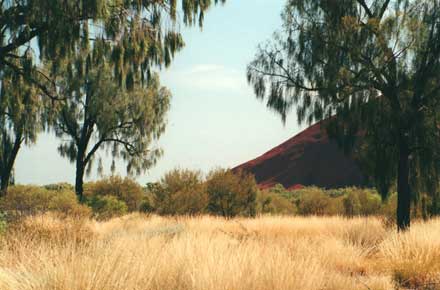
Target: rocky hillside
(309, 158)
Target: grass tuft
(208, 253)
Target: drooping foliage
(40, 41)
(96, 112)
(140, 33)
(372, 68)
(21, 118)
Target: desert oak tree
(21, 118)
(137, 36)
(96, 112)
(141, 33)
(372, 69)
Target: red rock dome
(309, 158)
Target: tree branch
(46, 91)
(383, 9)
(93, 150)
(70, 130)
(19, 41)
(366, 8)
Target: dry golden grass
(207, 253)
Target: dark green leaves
(368, 65)
(141, 34)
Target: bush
(60, 186)
(349, 201)
(352, 205)
(146, 206)
(231, 194)
(370, 201)
(359, 201)
(280, 190)
(313, 201)
(186, 202)
(24, 200)
(269, 202)
(107, 207)
(124, 189)
(62, 201)
(180, 192)
(388, 208)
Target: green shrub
(62, 201)
(124, 189)
(24, 200)
(146, 207)
(188, 202)
(107, 207)
(313, 201)
(388, 208)
(335, 193)
(359, 201)
(350, 201)
(281, 191)
(231, 194)
(335, 206)
(180, 192)
(370, 201)
(352, 205)
(269, 202)
(60, 186)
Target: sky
(215, 119)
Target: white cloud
(204, 77)
(205, 68)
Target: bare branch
(383, 9)
(366, 8)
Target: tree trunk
(79, 179)
(9, 166)
(6, 176)
(403, 189)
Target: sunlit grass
(139, 252)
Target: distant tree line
(183, 192)
(179, 192)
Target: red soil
(309, 158)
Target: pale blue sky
(215, 119)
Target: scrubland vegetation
(219, 193)
(215, 232)
(88, 72)
(270, 252)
